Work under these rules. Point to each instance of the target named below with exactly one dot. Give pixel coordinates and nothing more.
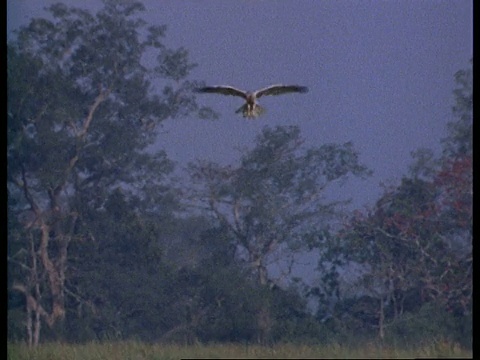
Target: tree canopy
(83, 106)
(414, 245)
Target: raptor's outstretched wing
(281, 89)
(225, 90)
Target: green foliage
(272, 206)
(431, 323)
(412, 251)
(123, 274)
(408, 261)
(83, 106)
(58, 70)
(274, 198)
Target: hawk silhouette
(251, 109)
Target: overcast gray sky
(380, 73)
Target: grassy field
(140, 351)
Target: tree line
(104, 243)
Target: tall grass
(140, 351)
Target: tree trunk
(264, 320)
(40, 262)
(264, 323)
(37, 327)
(34, 315)
(381, 318)
(28, 325)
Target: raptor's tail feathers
(251, 114)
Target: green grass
(140, 351)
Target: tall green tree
(83, 106)
(273, 203)
(414, 245)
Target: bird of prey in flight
(251, 109)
